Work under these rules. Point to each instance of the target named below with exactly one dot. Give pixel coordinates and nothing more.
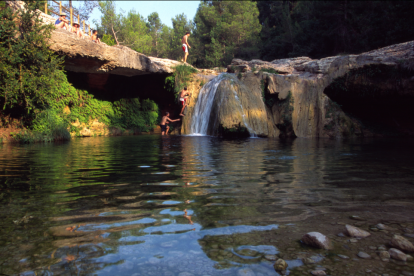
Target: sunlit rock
(397, 254)
(402, 243)
(280, 265)
(317, 240)
(355, 232)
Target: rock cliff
(297, 93)
(85, 56)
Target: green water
(147, 205)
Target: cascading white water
(201, 115)
(202, 110)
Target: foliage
(269, 70)
(134, 33)
(225, 30)
(28, 65)
(324, 28)
(145, 35)
(48, 126)
(130, 113)
(179, 79)
(108, 39)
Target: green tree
(134, 33)
(225, 30)
(165, 42)
(324, 28)
(110, 21)
(155, 28)
(27, 66)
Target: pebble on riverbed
(355, 232)
(280, 265)
(402, 243)
(318, 240)
(397, 254)
(384, 227)
(363, 255)
(384, 255)
(318, 273)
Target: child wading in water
(164, 121)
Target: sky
(166, 9)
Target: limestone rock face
(317, 240)
(313, 113)
(356, 232)
(85, 56)
(402, 243)
(235, 106)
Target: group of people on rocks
(184, 94)
(183, 97)
(62, 22)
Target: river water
(180, 205)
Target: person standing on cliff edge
(164, 120)
(184, 41)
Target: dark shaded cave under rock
(380, 97)
(111, 87)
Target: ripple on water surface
(147, 205)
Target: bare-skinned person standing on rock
(184, 41)
(164, 120)
(183, 99)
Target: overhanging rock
(85, 56)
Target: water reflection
(149, 206)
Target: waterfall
(202, 110)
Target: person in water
(184, 41)
(184, 94)
(95, 37)
(61, 22)
(163, 122)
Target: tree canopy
(223, 30)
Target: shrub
(179, 79)
(269, 70)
